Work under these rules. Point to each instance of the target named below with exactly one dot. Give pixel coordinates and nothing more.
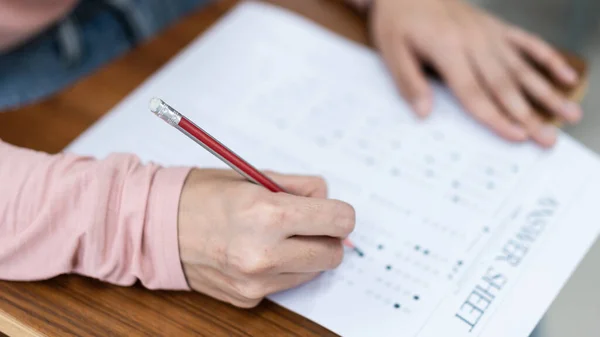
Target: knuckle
(507, 93)
(452, 40)
(467, 86)
(347, 218)
(320, 182)
(486, 116)
(251, 292)
(249, 304)
(254, 263)
(518, 107)
(557, 61)
(337, 256)
(524, 116)
(501, 83)
(517, 66)
(268, 214)
(477, 39)
(310, 207)
(538, 85)
(276, 216)
(254, 203)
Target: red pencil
(187, 127)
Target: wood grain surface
(77, 306)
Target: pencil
(212, 145)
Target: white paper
(438, 201)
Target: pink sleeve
(113, 219)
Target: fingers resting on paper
(488, 64)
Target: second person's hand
(483, 60)
(239, 242)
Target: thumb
(302, 185)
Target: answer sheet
(464, 234)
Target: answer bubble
(321, 141)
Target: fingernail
(548, 133)
(569, 74)
(421, 106)
(572, 111)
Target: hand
(483, 60)
(239, 242)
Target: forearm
(114, 219)
(20, 20)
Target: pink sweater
(113, 219)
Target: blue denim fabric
(39, 68)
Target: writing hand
(239, 242)
(483, 60)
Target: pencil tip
(359, 252)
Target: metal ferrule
(165, 112)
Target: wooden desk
(76, 306)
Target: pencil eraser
(155, 105)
